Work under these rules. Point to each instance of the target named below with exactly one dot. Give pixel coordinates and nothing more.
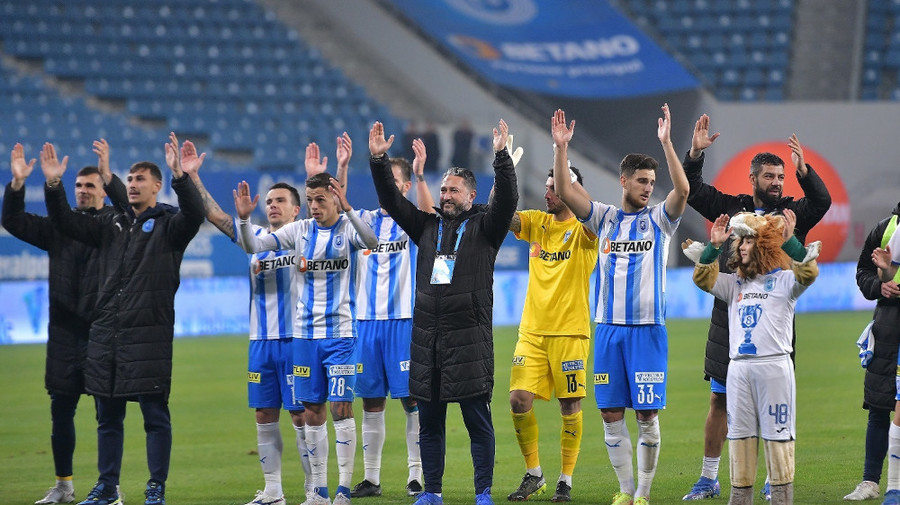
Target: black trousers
(476, 414)
(111, 436)
(62, 433)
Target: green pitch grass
(214, 460)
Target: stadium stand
(881, 53)
(740, 48)
(225, 72)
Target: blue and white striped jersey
(631, 266)
(273, 291)
(325, 274)
(386, 275)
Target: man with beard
(73, 283)
(631, 343)
(767, 180)
(452, 351)
(554, 334)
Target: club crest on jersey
(568, 366)
(770, 284)
(649, 377)
(404, 365)
(518, 361)
(301, 371)
(566, 236)
(148, 225)
(643, 224)
(601, 378)
(342, 370)
(253, 377)
(339, 241)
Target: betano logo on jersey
(327, 265)
(395, 247)
(752, 296)
(536, 251)
(301, 371)
(626, 246)
(263, 265)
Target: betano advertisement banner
(577, 48)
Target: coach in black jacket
(452, 351)
(767, 181)
(130, 346)
(879, 386)
(73, 281)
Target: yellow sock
(527, 434)
(570, 441)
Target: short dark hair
(577, 174)
(633, 162)
(294, 193)
(465, 173)
(320, 180)
(405, 168)
(146, 165)
(764, 159)
(88, 170)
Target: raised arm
(366, 233)
(247, 239)
(677, 198)
(190, 164)
(185, 224)
(344, 153)
(76, 225)
(424, 200)
(36, 230)
(112, 185)
(411, 219)
(701, 138)
(816, 200)
(579, 203)
(500, 212)
(706, 271)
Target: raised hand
(313, 163)
(882, 257)
(53, 169)
(418, 163)
(341, 194)
(561, 134)
(173, 155)
(500, 136)
(701, 139)
(790, 222)
(664, 128)
(101, 149)
(720, 231)
(243, 205)
(20, 169)
(377, 143)
(190, 162)
(797, 154)
(344, 150)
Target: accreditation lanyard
(442, 272)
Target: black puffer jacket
(879, 386)
(452, 338)
(711, 203)
(73, 281)
(130, 346)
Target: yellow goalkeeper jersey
(561, 257)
